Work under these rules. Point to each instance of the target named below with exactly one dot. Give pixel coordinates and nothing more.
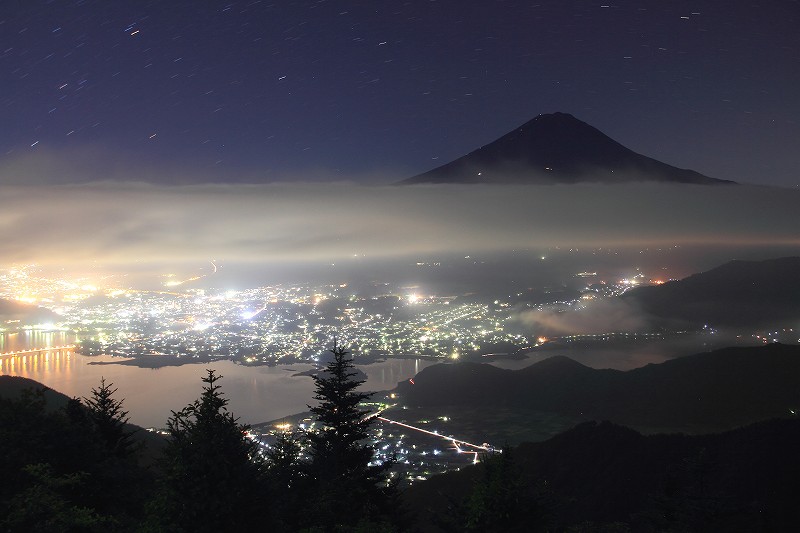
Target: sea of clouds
(124, 222)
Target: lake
(256, 394)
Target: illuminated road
(458, 444)
(252, 314)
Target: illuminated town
(266, 325)
(290, 323)
(418, 448)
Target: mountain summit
(557, 148)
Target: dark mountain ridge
(15, 387)
(601, 473)
(711, 391)
(12, 387)
(736, 294)
(557, 148)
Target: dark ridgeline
(711, 391)
(557, 148)
(736, 294)
(601, 477)
(12, 387)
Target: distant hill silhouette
(711, 391)
(12, 387)
(557, 148)
(26, 313)
(742, 480)
(738, 293)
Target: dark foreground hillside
(604, 477)
(76, 465)
(65, 467)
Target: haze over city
(151, 225)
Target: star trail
(174, 92)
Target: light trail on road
(457, 443)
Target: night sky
(256, 91)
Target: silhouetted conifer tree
(212, 471)
(348, 491)
(109, 420)
(119, 485)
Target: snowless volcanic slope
(557, 148)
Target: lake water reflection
(256, 394)
(32, 339)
